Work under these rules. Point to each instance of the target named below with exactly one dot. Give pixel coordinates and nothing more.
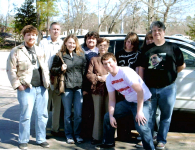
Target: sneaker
(154, 138)
(79, 140)
(139, 137)
(23, 146)
(44, 145)
(139, 145)
(70, 141)
(160, 145)
(104, 146)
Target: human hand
(140, 118)
(113, 122)
(85, 92)
(64, 67)
(22, 87)
(102, 78)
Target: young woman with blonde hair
(75, 64)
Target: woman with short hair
(97, 76)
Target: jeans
(164, 98)
(37, 98)
(72, 97)
(124, 108)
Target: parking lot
(9, 123)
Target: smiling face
(129, 46)
(54, 32)
(103, 48)
(70, 45)
(30, 39)
(149, 39)
(158, 34)
(91, 42)
(110, 65)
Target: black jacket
(75, 69)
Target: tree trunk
(150, 13)
(38, 23)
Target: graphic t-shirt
(123, 81)
(160, 63)
(127, 58)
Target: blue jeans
(37, 98)
(72, 97)
(124, 108)
(165, 99)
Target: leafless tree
(122, 6)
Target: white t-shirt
(123, 81)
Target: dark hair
(29, 29)
(78, 47)
(134, 40)
(144, 43)
(107, 56)
(101, 40)
(156, 54)
(91, 34)
(54, 23)
(159, 24)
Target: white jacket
(20, 69)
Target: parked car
(181, 36)
(184, 109)
(5, 35)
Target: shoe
(104, 146)
(154, 138)
(58, 134)
(139, 137)
(79, 140)
(44, 145)
(160, 145)
(23, 146)
(139, 145)
(94, 141)
(70, 141)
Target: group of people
(145, 78)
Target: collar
(50, 41)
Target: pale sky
(4, 6)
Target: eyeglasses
(158, 30)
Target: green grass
(6, 47)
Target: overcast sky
(4, 6)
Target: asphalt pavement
(9, 125)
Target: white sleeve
(109, 86)
(41, 45)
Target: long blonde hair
(77, 49)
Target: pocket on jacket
(23, 65)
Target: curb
(5, 50)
